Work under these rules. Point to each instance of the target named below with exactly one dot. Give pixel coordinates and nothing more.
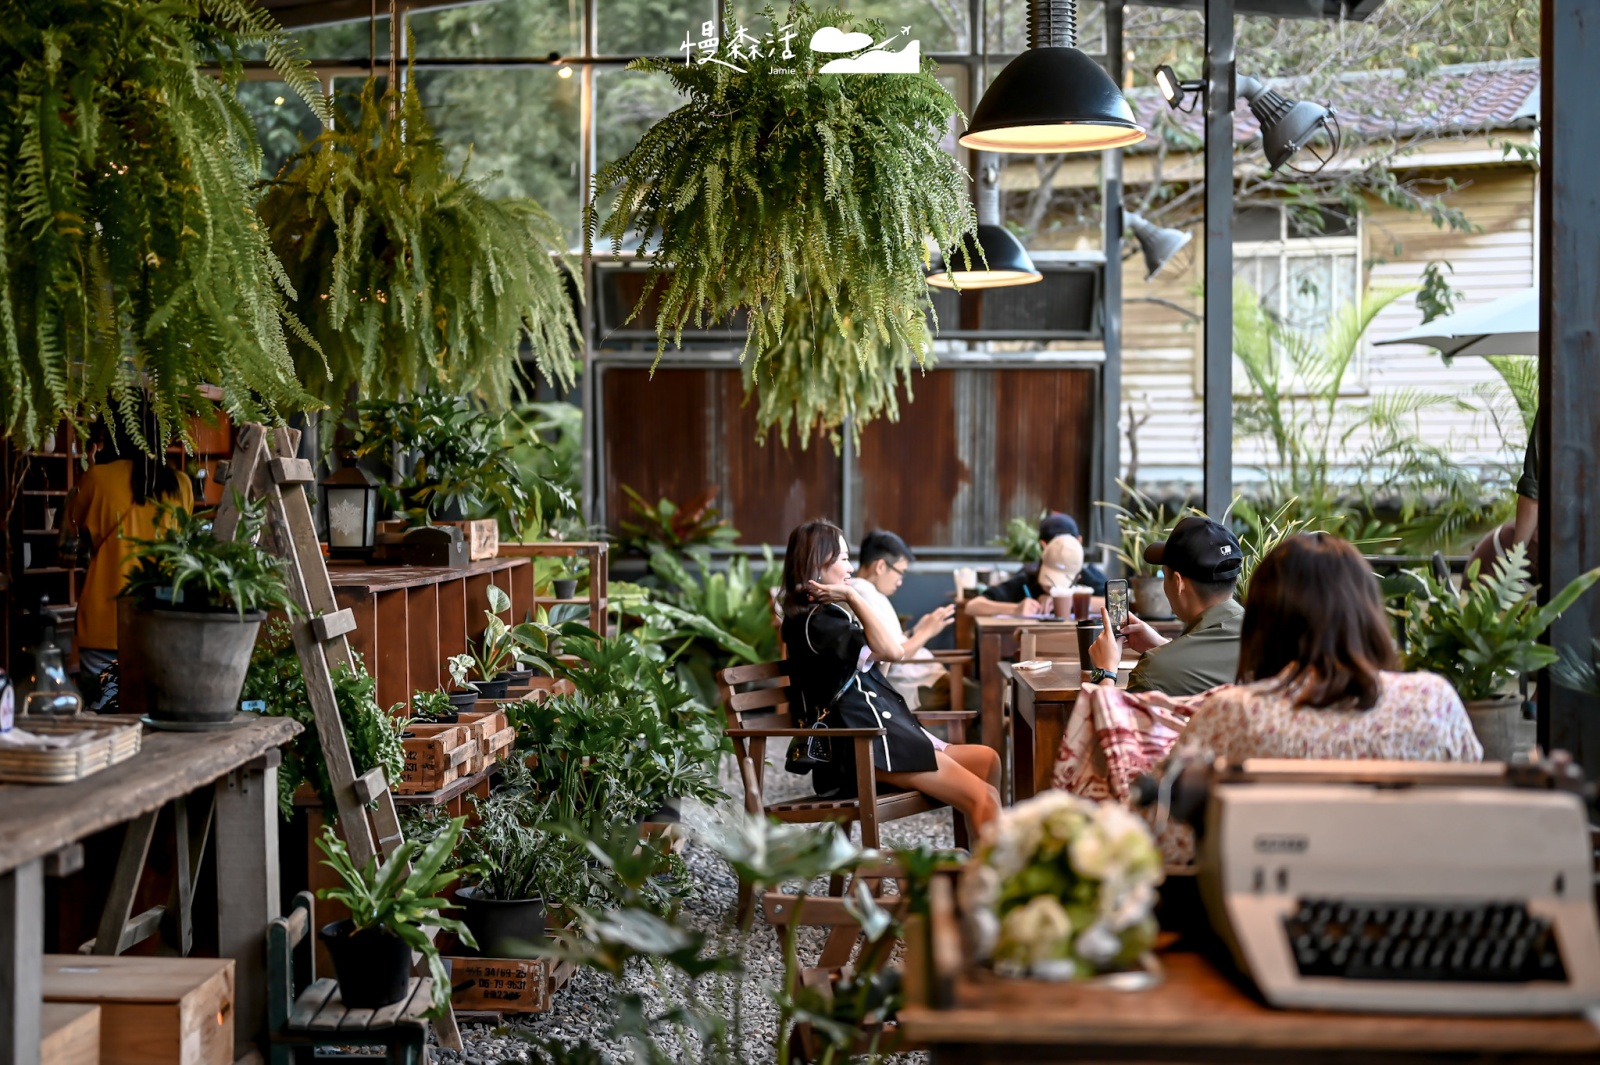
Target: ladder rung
(370, 785)
(387, 844)
(293, 471)
(329, 626)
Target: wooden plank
(418, 999)
(370, 785)
(125, 883)
(21, 947)
(64, 862)
(71, 1033)
(310, 1003)
(287, 472)
(139, 928)
(422, 637)
(361, 579)
(363, 639)
(337, 623)
(475, 587)
(521, 581)
(391, 665)
(330, 1016)
(247, 886)
(153, 1011)
(452, 622)
(357, 1020)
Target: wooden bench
(304, 1013)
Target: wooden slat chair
(756, 701)
(304, 1013)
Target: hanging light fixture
(1052, 98)
(993, 256)
(1158, 243)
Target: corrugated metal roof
(1380, 104)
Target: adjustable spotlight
(1174, 90)
(1052, 98)
(992, 257)
(1158, 243)
(1287, 127)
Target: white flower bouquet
(1063, 888)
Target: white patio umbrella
(1507, 326)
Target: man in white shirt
(881, 568)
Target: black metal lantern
(350, 504)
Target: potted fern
(200, 603)
(391, 909)
(776, 182)
(1483, 638)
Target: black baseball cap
(1199, 549)
(1057, 524)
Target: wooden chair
(756, 701)
(304, 1013)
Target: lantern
(350, 502)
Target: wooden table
(1198, 1015)
(39, 822)
(1042, 700)
(997, 641)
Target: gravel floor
(583, 1009)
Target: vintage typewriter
(1403, 886)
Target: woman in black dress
(835, 642)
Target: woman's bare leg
(953, 783)
(979, 760)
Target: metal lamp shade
(1007, 262)
(1157, 243)
(351, 498)
(1287, 127)
(1052, 100)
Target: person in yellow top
(116, 502)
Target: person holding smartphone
(1200, 562)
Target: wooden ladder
(265, 467)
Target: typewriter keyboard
(1490, 942)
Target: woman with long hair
(1318, 671)
(116, 500)
(835, 644)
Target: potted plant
(437, 707)
(565, 581)
(1142, 522)
(390, 908)
(835, 145)
(200, 604)
(521, 867)
(1483, 638)
(491, 658)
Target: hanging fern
(778, 181)
(818, 375)
(411, 279)
(129, 253)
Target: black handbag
(807, 753)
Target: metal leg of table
(21, 962)
(246, 834)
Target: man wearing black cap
(1200, 561)
(1024, 593)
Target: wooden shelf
(44, 491)
(579, 601)
(41, 532)
(52, 569)
(48, 455)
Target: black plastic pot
(492, 689)
(670, 812)
(373, 966)
(504, 928)
(565, 589)
(464, 701)
(447, 717)
(517, 678)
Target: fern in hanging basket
(410, 277)
(130, 256)
(777, 182)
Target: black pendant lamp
(994, 257)
(1052, 98)
(1158, 244)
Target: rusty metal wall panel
(688, 429)
(1044, 442)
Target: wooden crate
(70, 1033)
(435, 756)
(506, 985)
(482, 537)
(490, 733)
(153, 1011)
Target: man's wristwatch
(1096, 675)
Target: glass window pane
(344, 40)
(1309, 292)
(656, 28)
(516, 127)
(627, 102)
(500, 29)
(283, 121)
(1256, 224)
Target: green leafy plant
(454, 458)
(544, 442)
(673, 526)
(1575, 673)
(186, 565)
(1020, 538)
(130, 257)
(515, 851)
(430, 706)
(1142, 522)
(403, 896)
(1484, 636)
(277, 682)
(774, 181)
(409, 277)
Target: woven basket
(111, 742)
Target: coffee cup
(1061, 604)
(1081, 595)
(1088, 633)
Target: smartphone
(1116, 605)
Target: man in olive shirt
(1201, 561)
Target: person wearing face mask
(1027, 592)
(837, 644)
(880, 570)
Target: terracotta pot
(194, 661)
(1150, 598)
(1501, 727)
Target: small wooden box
(488, 730)
(153, 1011)
(71, 1034)
(435, 756)
(511, 985)
(482, 536)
